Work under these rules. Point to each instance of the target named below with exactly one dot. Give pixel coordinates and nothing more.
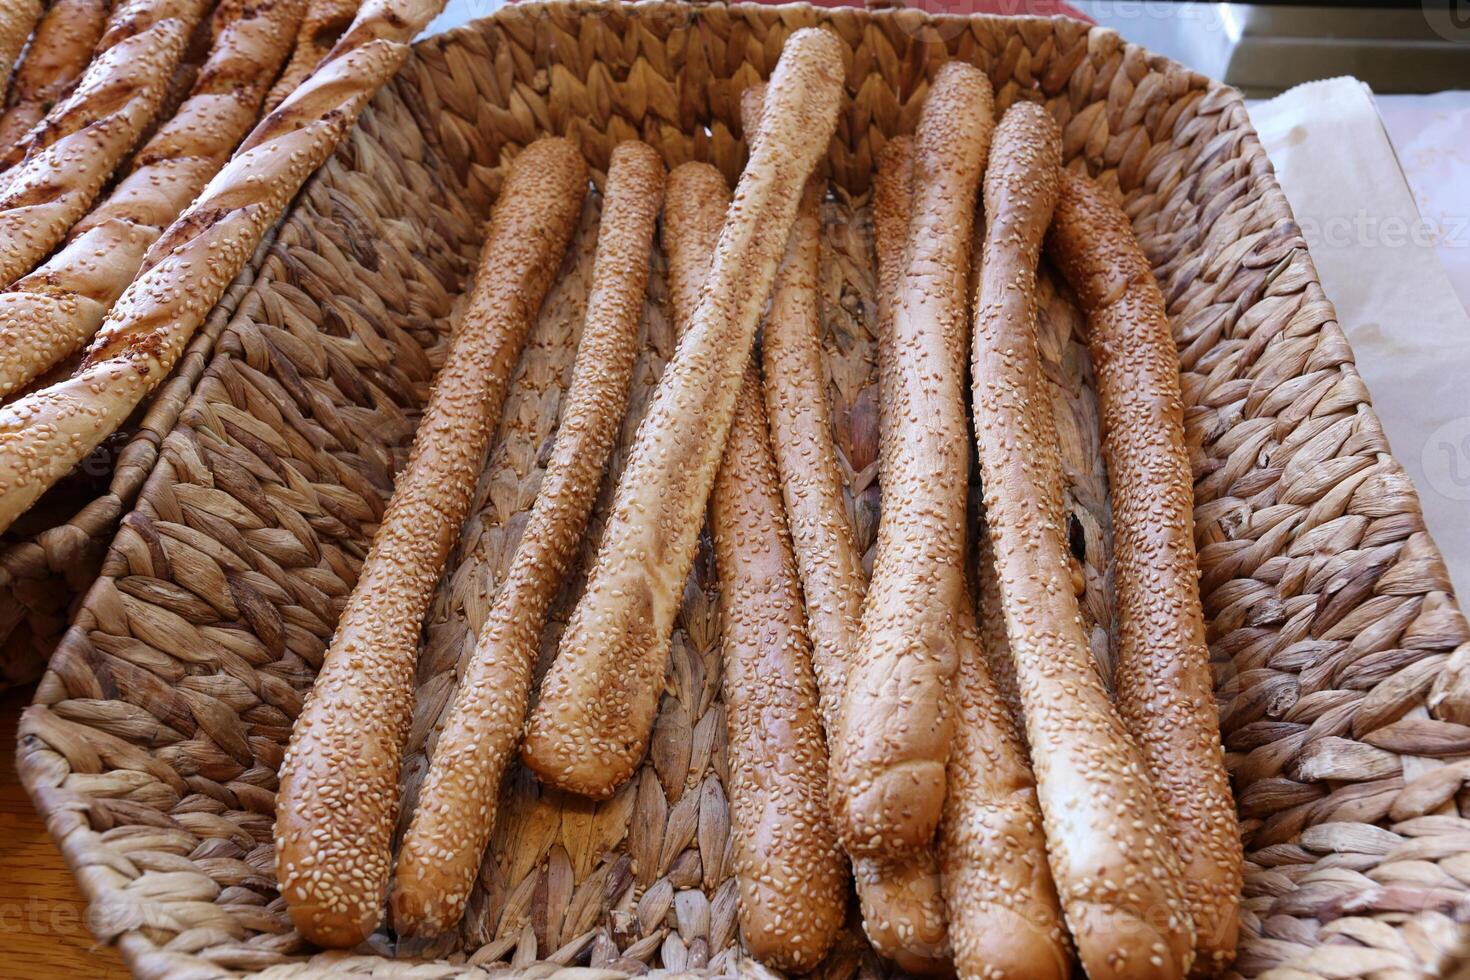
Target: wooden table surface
(42, 930)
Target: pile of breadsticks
(1000, 813)
(144, 149)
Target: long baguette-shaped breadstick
(45, 433)
(1005, 919)
(17, 18)
(338, 798)
(1111, 858)
(53, 311)
(902, 908)
(324, 22)
(892, 743)
(792, 876)
(893, 198)
(70, 157)
(456, 809)
(1165, 694)
(58, 55)
(595, 715)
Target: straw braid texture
(1338, 651)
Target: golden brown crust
(51, 312)
(1165, 692)
(57, 57)
(893, 196)
(338, 794)
(17, 18)
(1116, 872)
(98, 124)
(598, 700)
(323, 24)
(889, 753)
(442, 851)
(791, 874)
(1005, 919)
(45, 433)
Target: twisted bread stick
(325, 20)
(1110, 854)
(790, 871)
(889, 753)
(56, 59)
(338, 798)
(50, 313)
(70, 157)
(456, 810)
(17, 18)
(1005, 919)
(45, 433)
(597, 704)
(1165, 692)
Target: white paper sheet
(1377, 259)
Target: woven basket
(154, 741)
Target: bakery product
(69, 157)
(43, 434)
(598, 701)
(53, 311)
(442, 850)
(791, 874)
(324, 22)
(17, 19)
(338, 795)
(1113, 864)
(893, 737)
(1165, 691)
(58, 55)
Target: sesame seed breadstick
(17, 18)
(324, 22)
(892, 743)
(902, 908)
(444, 845)
(791, 874)
(893, 195)
(598, 701)
(1165, 693)
(45, 433)
(1116, 872)
(58, 55)
(70, 156)
(51, 312)
(338, 798)
(1005, 918)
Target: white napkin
(1376, 257)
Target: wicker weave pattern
(158, 729)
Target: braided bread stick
(69, 158)
(442, 851)
(17, 19)
(338, 798)
(55, 60)
(51, 312)
(892, 743)
(324, 22)
(791, 874)
(1005, 918)
(45, 433)
(902, 909)
(1165, 692)
(597, 706)
(1117, 874)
